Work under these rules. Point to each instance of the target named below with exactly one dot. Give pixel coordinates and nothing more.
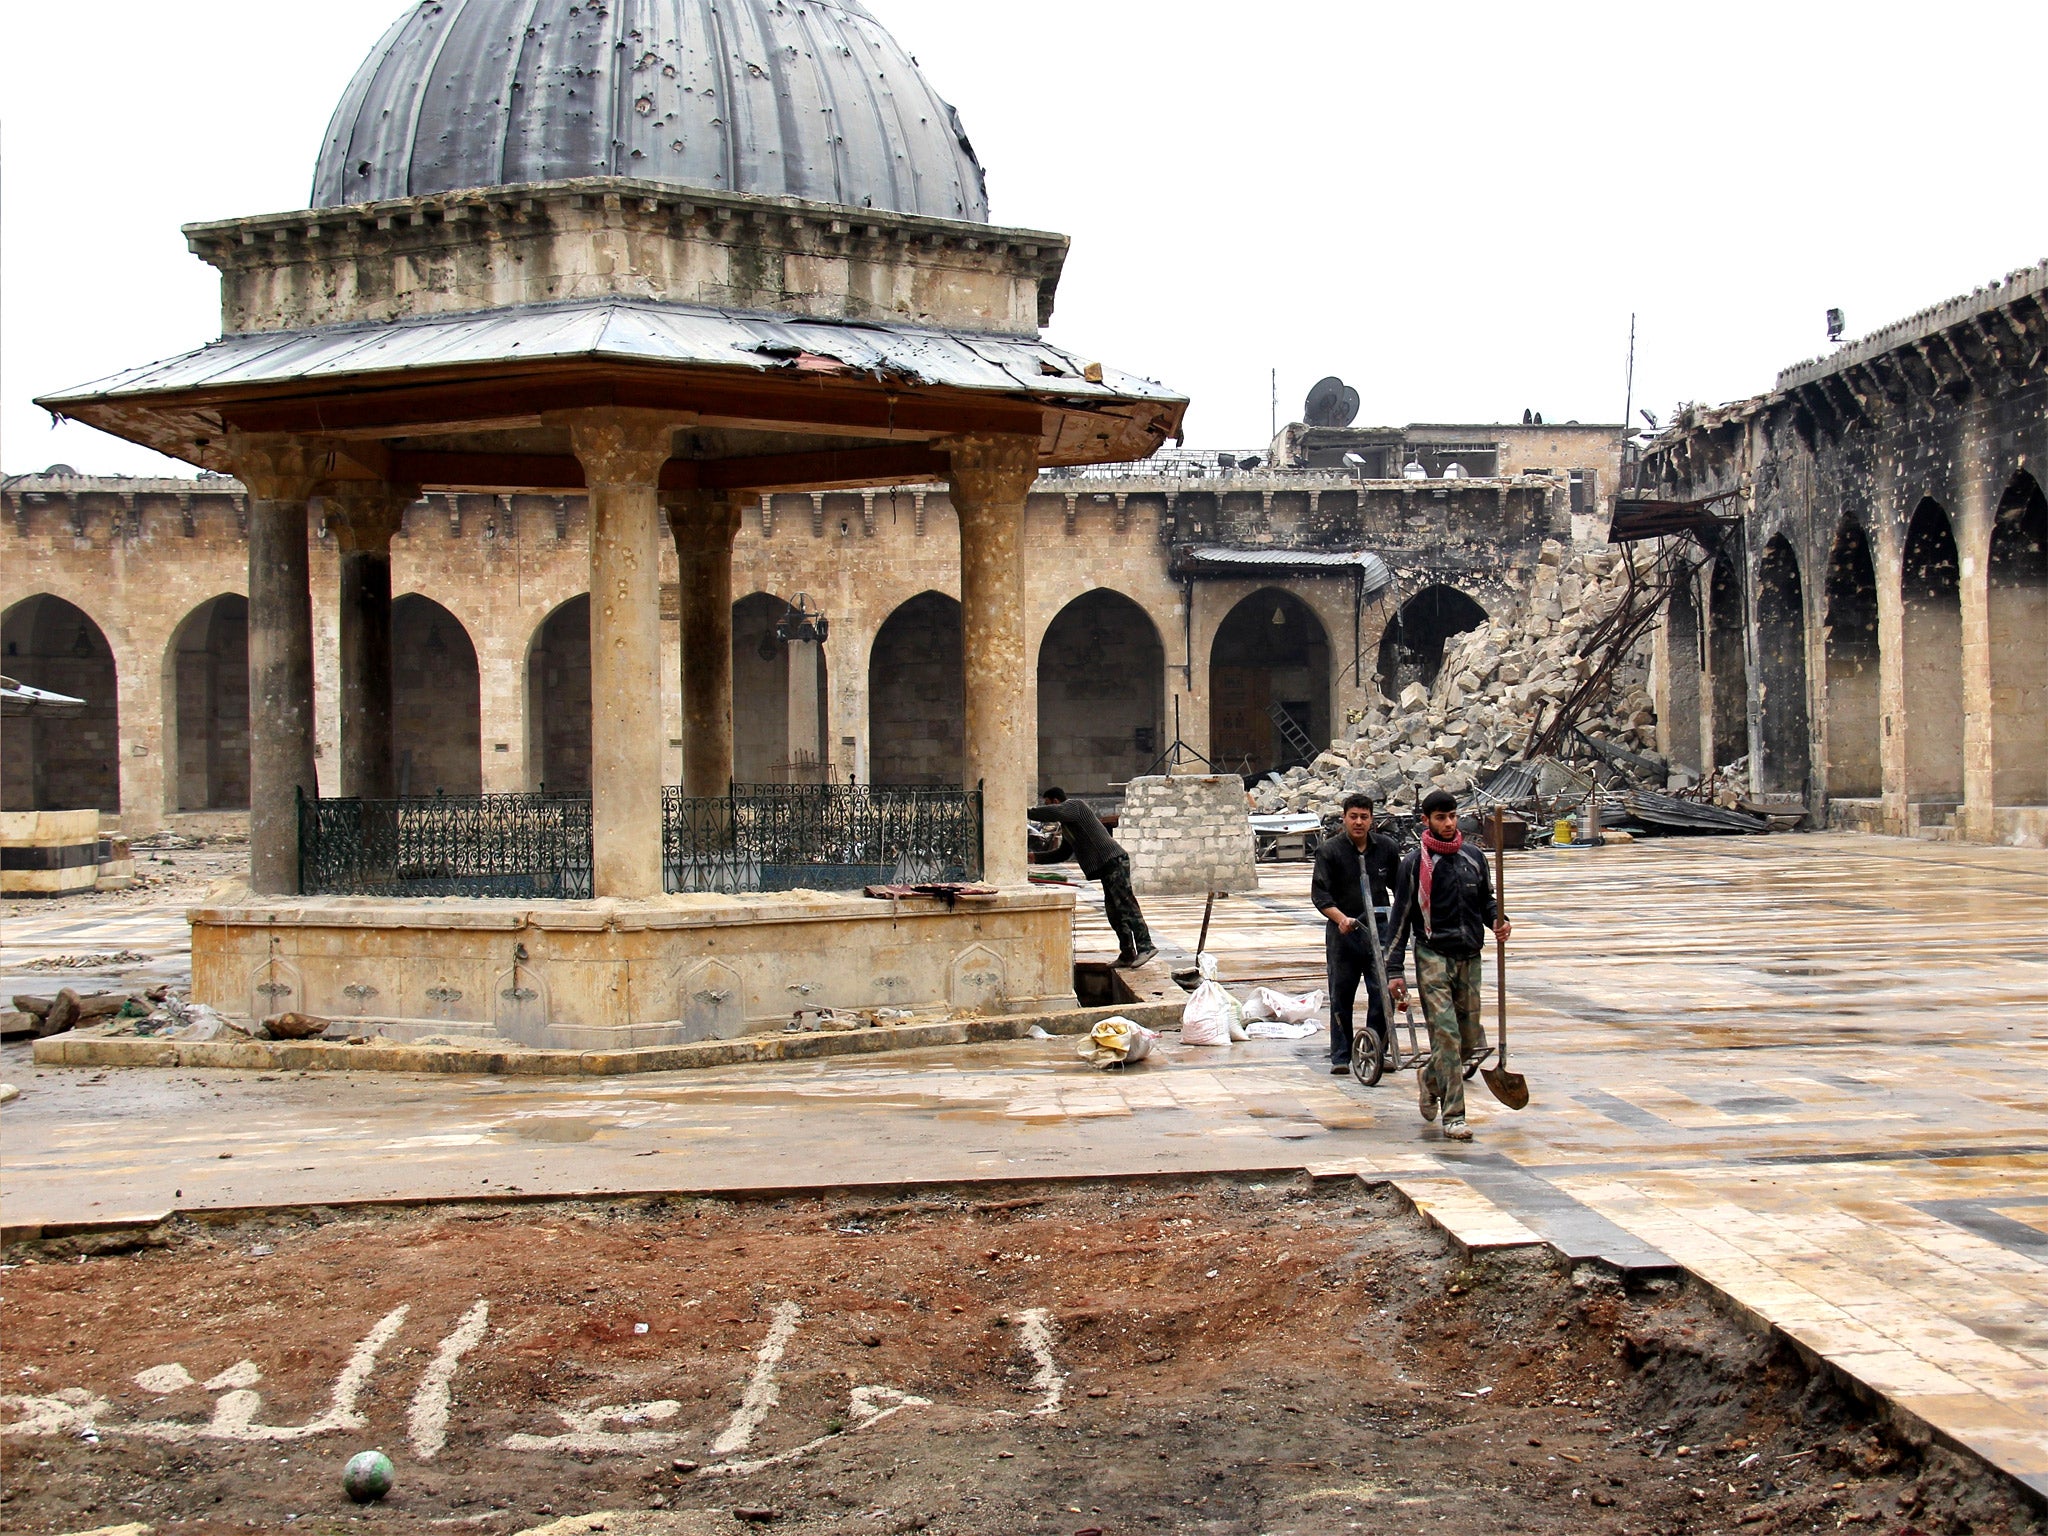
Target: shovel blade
(1511, 1088)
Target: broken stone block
(295, 1026)
(1414, 697)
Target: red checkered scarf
(1425, 867)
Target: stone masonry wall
(1188, 835)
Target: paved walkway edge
(1471, 1223)
(69, 1050)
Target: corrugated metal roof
(626, 330)
(1215, 557)
(815, 101)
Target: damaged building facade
(1869, 624)
(1254, 602)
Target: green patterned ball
(367, 1478)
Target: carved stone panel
(712, 1004)
(519, 1004)
(979, 979)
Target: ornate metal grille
(780, 837)
(452, 845)
(761, 837)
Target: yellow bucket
(1562, 832)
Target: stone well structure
(732, 277)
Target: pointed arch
(1269, 662)
(1678, 713)
(1855, 768)
(1412, 645)
(779, 698)
(2016, 610)
(917, 694)
(558, 698)
(1785, 754)
(1932, 645)
(69, 761)
(1728, 655)
(1101, 693)
(437, 734)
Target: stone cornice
(458, 218)
(2026, 284)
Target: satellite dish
(1332, 403)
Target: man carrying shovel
(1445, 894)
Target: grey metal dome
(784, 98)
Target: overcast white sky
(1453, 205)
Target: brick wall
(1187, 835)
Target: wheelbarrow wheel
(1368, 1055)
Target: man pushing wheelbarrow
(1444, 895)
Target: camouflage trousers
(1450, 999)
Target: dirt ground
(1216, 1356)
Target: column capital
(990, 469)
(620, 446)
(368, 513)
(277, 466)
(701, 519)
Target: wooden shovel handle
(1500, 947)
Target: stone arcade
(1872, 633)
(676, 340)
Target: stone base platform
(626, 975)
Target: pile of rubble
(1499, 684)
(161, 1011)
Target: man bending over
(1102, 859)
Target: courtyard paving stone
(1808, 1069)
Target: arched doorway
(2017, 614)
(1101, 693)
(1678, 731)
(437, 732)
(1412, 645)
(1270, 663)
(558, 699)
(1730, 660)
(69, 761)
(1786, 757)
(779, 698)
(1932, 645)
(1855, 767)
(206, 708)
(917, 710)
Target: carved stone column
(282, 474)
(990, 479)
(622, 452)
(704, 525)
(366, 516)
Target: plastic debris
(1118, 1042)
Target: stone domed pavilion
(672, 253)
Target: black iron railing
(760, 837)
(780, 837)
(532, 845)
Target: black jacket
(1093, 847)
(1335, 883)
(1463, 910)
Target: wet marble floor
(1812, 1070)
